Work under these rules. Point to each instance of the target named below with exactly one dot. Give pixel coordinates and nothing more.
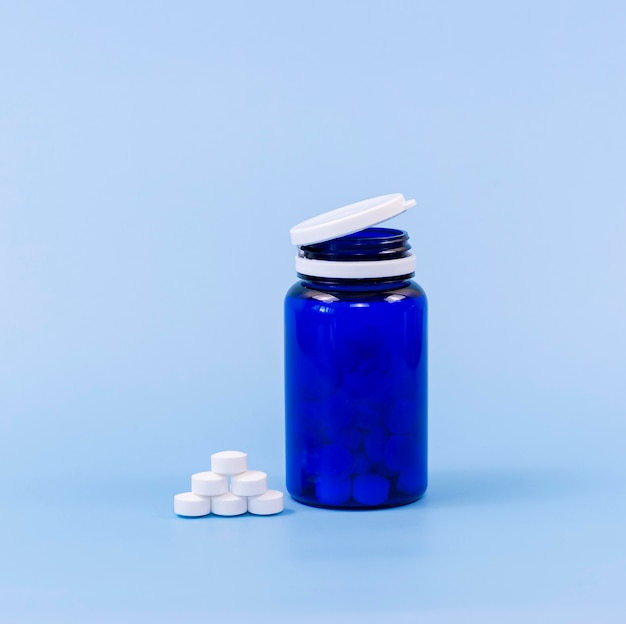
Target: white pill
(229, 505)
(249, 483)
(189, 504)
(229, 462)
(271, 502)
(209, 484)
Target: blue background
(153, 156)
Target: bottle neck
(355, 285)
(358, 259)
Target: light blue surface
(152, 159)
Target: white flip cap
(250, 483)
(192, 505)
(267, 504)
(348, 219)
(209, 484)
(229, 462)
(229, 505)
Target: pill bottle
(355, 362)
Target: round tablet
(192, 505)
(330, 491)
(370, 489)
(375, 442)
(266, 504)
(249, 483)
(335, 461)
(229, 462)
(401, 417)
(229, 505)
(209, 484)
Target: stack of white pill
(210, 491)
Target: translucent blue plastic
(356, 382)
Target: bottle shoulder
(408, 290)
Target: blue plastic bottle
(355, 363)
